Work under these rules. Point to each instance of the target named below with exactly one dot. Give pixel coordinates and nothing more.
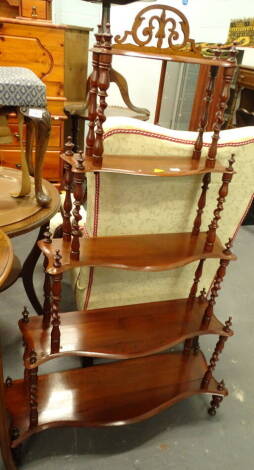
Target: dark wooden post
(78, 183)
(221, 271)
(92, 100)
(194, 345)
(212, 152)
(56, 297)
(204, 119)
(67, 187)
(215, 357)
(47, 283)
(202, 296)
(198, 274)
(216, 399)
(223, 191)
(201, 204)
(25, 319)
(33, 390)
(103, 83)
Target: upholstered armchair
(120, 204)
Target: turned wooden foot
(216, 399)
(215, 403)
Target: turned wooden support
(212, 152)
(92, 99)
(67, 207)
(56, 297)
(78, 181)
(223, 192)
(47, 283)
(204, 119)
(220, 273)
(202, 296)
(103, 84)
(198, 274)
(25, 315)
(215, 357)
(216, 399)
(33, 390)
(201, 204)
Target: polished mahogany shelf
(121, 332)
(136, 51)
(117, 393)
(145, 165)
(152, 252)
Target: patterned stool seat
(21, 87)
(23, 92)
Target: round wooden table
(6, 258)
(22, 215)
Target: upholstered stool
(22, 92)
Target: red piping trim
(95, 231)
(170, 138)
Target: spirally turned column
(92, 101)
(220, 274)
(223, 192)
(47, 283)
(78, 183)
(201, 204)
(56, 297)
(217, 351)
(67, 207)
(33, 390)
(204, 119)
(103, 84)
(228, 73)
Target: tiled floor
(182, 438)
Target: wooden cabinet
(48, 50)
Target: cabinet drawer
(55, 139)
(36, 9)
(51, 167)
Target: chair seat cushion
(21, 87)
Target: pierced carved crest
(159, 28)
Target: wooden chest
(58, 55)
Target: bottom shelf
(110, 394)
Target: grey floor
(182, 438)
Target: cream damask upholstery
(125, 204)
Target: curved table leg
(40, 121)
(42, 133)
(29, 145)
(121, 82)
(28, 271)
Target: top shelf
(151, 54)
(145, 165)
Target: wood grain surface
(110, 394)
(152, 252)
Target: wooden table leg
(28, 271)
(41, 125)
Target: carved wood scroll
(159, 27)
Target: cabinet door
(36, 9)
